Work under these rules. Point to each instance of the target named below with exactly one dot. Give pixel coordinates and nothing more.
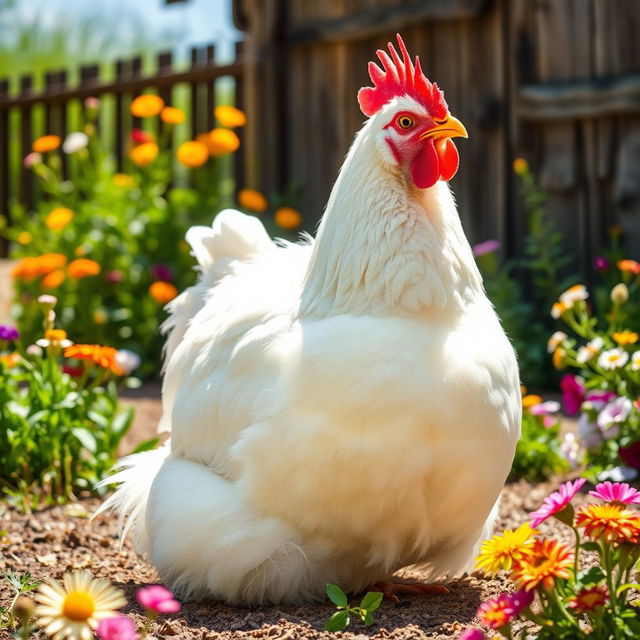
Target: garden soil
(60, 539)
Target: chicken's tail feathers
(233, 235)
(134, 476)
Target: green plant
(20, 584)
(60, 423)
(342, 617)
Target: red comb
(400, 78)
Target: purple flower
(573, 393)
(117, 628)
(156, 598)
(162, 272)
(489, 246)
(588, 432)
(7, 332)
(601, 263)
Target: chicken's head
(412, 121)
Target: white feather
(339, 409)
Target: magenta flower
(619, 492)
(556, 502)
(7, 332)
(117, 628)
(520, 601)
(573, 393)
(601, 263)
(631, 455)
(599, 397)
(162, 272)
(472, 634)
(156, 598)
(489, 246)
(497, 612)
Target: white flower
(612, 416)
(570, 450)
(75, 142)
(613, 358)
(556, 340)
(34, 350)
(618, 474)
(47, 300)
(574, 294)
(127, 360)
(545, 408)
(44, 343)
(588, 432)
(591, 349)
(635, 361)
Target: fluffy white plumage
(339, 409)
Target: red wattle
(448, 157)
(425, 167)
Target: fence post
(4, 163)
(238, 159)
(26, 139)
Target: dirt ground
(60, 539)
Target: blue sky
(191, 22)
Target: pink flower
(496, 612)
(472, 634)
(601, 263)
(91, 102)
(600, 397)
(31, 158)
(117, 628)
(520, 600)
(545, 408)
(114, 276)
(616, 492)
(489, 246)
(572, 393)
(156, 598)
(556, 502)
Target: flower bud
(619, 293)
(47, 300)
(23, 609)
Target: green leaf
(593, 575)
(371, 601)
(337, 595)
(338, 621)
(147, 445)
(590, 546)
(368, 618)
(86, 439)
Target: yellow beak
(450, 128)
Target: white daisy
(75, 142)
(72, 611)
(574, 294)
(613, 358)
(556, 340)
(635, 361)
(590, 350)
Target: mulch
(51, 542)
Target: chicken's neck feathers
(384, 246)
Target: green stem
(576, 563)
(556, 598)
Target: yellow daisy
(72, 611)
(504, 549)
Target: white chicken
(339, 408)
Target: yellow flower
(82, 268)
(53, 279)
(192, 154)
(24, 237)
(59, 218)
(612, 522)
(123, 180)
(172, 115)
(100, 316)
(547, 560)
(80, 251)
(531, 401)
(287, 218)
(46, 143)
(558, 359)
(229, 116)
(144, 154)
(252, 200)
(222, 141)
(147, 106)
(625, 338)
(73, 611)
(162, 292)
(520, 166)
(503, 550)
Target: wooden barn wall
(522, 75)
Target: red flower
(141, 137)
(631, 455)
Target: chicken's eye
(405, 122)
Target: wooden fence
(20, 124)
(555, 81)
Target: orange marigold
(10, 360)
(104, 357)
(229, 116)
(222, 141)
(287, 218)
(612, 522)
(53, 279)
(46, 143)
(163, 292)
(252, 200)
(173, 115)
(192, 154)
(548, 560)
(82, 268)
(631, 266)
(144, 154)
(59, 218)
(147, 106)
(520, 166)
(530, 400)
(31, 267)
